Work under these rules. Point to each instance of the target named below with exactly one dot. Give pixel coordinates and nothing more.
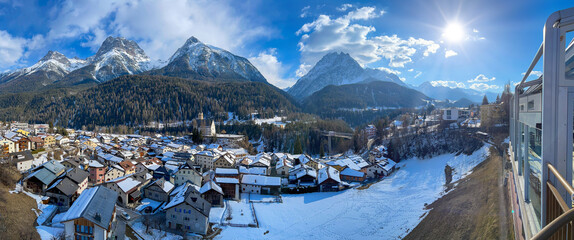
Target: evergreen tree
(485, 100)
(196, 137)
(297, 148)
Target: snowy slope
(337, 69)
(387, 210)
(197, 59)
(116, 57)
(53, 66)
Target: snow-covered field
(387, 210)
(140, 228)
(240, 212)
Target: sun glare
(453, 32)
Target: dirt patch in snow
(16, 216)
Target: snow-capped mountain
(442, 93)
(198, 60)
(51, 68)
(116, 57)
(54, 64)
(337, 69)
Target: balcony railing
(559, 216)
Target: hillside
(362, 95)
(136, 99)
(486, 217)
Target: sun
(454, 32)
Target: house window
(186, 218)
(84, 229)
(531, 105)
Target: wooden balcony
(559, 216)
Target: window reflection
(535, 165)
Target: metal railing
(559, 216)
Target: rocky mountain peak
(54, 55)
(196, 59)
(120, 44)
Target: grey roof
(94, 204)
(54, 166)
(72, 162)
(65, 185)
(77, 175)
(44, 175)
(22, 156)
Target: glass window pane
(535, 163)
(569, 56)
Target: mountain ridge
(441, 93)
(197, 60)
(118, 56)
(337, 69)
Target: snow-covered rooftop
(227, 180)
(209, 186)
(94, 163)
(226, 171)
(261, 180)
(128, 184)
(328, 172)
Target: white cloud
(305, 11)
(159, 27)
(450, 84)
(536, 74)
(303, 69)
(364, 13)
(402, 79)
(341, 34)
(418, 74)
(410, 70)
(450, 53)
(271, 68)
(344, 7)
(481, 78)
(11, 49)
(389, 70)
(483, 87)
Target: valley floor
(475, 209)
(389, 209)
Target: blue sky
(493, 44)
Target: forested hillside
(134, 100)
(362, 95)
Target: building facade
(541, 133)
